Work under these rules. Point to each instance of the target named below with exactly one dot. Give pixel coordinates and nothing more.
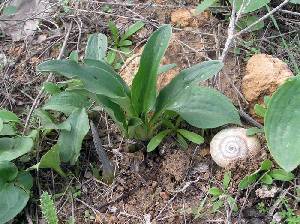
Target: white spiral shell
(232, 144)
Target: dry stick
(231, 29)
(107, 168)
(262, 18)
(40, 93)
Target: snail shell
(231, 145)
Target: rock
(187, 18)
(264, 74)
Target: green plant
(261, 207)
(287, 214)
(282, 124)
(15, 188)
(15, 185)
(220, 195)
(174, 130)
(139, 111)
(48, 208)
(265, 175)
(121, 42)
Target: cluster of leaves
(121, 42)
(265, 175)
(15, 185)
(220, 198)
(139, 110)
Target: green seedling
(265, 175)
(221, 197)
(121, 42)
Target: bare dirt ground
(163, 187)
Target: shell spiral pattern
(232, 144)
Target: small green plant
(121, 42)
(173, 130)
(287, 214)
(139, 110)
(221, 197)
(261, 207)
(265, 175)
(48, 208)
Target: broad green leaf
(66, 102)
(282, 175)
(143, 91)
(24, 180)
(214, 191)
(8, 171)
(295, 1)
(166, 68)
(7, 130)
(260, 110)
(111, 57)
(125, 43)
(254, 130)
(74, 56)
(266, 165)
(132, 30)
(266, 179)
(181, 141)
(69, 142)
(114, 111)
(13, 200)
(250, 5)
(95, 80)
(204, 107)
(194, 75)
(47, 122)
(217, 205)
(247, 21)
(9, 10)
(110, 70)
(157, 139)
(125, 50)
(51, 88)
(96, 47)
(267, 100)
(1, 125)
(232, 203)
(247, 181)
(282, 125)
(12, 148)
(191, 136)
(226, 180)
(8, 116)
(51, 160)
(205, 4)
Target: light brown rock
(187, 18)
(264, 74)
